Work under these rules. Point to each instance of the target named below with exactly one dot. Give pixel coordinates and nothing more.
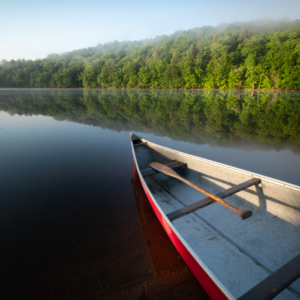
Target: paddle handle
(242, 213)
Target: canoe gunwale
(209, 273)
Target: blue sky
(33, 29)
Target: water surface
(68, 213)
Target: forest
(224, 118)
(258, 55)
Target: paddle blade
(163, 169)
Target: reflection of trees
(225, 117)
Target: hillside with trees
(263, 54)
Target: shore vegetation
(257, 55)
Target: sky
(33, 29)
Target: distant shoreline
(141, 89)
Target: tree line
(225, 118)
(263, 54)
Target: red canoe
(256, 258)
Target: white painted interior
(238, 253)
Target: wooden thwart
(242, 213)
(275, 283)
(173, 164)
(207, 201)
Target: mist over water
(67, 207)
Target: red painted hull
(208, 284)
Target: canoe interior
(238, 253)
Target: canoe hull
(208, 284)
(229, 257)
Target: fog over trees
(262, 54)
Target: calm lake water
(73, 226)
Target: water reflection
(67, 212)
(69, 223)
(171, 278)
(227, 119)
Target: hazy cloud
(33, 29)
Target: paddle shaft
(242, 213)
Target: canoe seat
(134, 137)
(136, 140)
(173, 164)
(207, 201)
(275, 283)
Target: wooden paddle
(242, 213)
